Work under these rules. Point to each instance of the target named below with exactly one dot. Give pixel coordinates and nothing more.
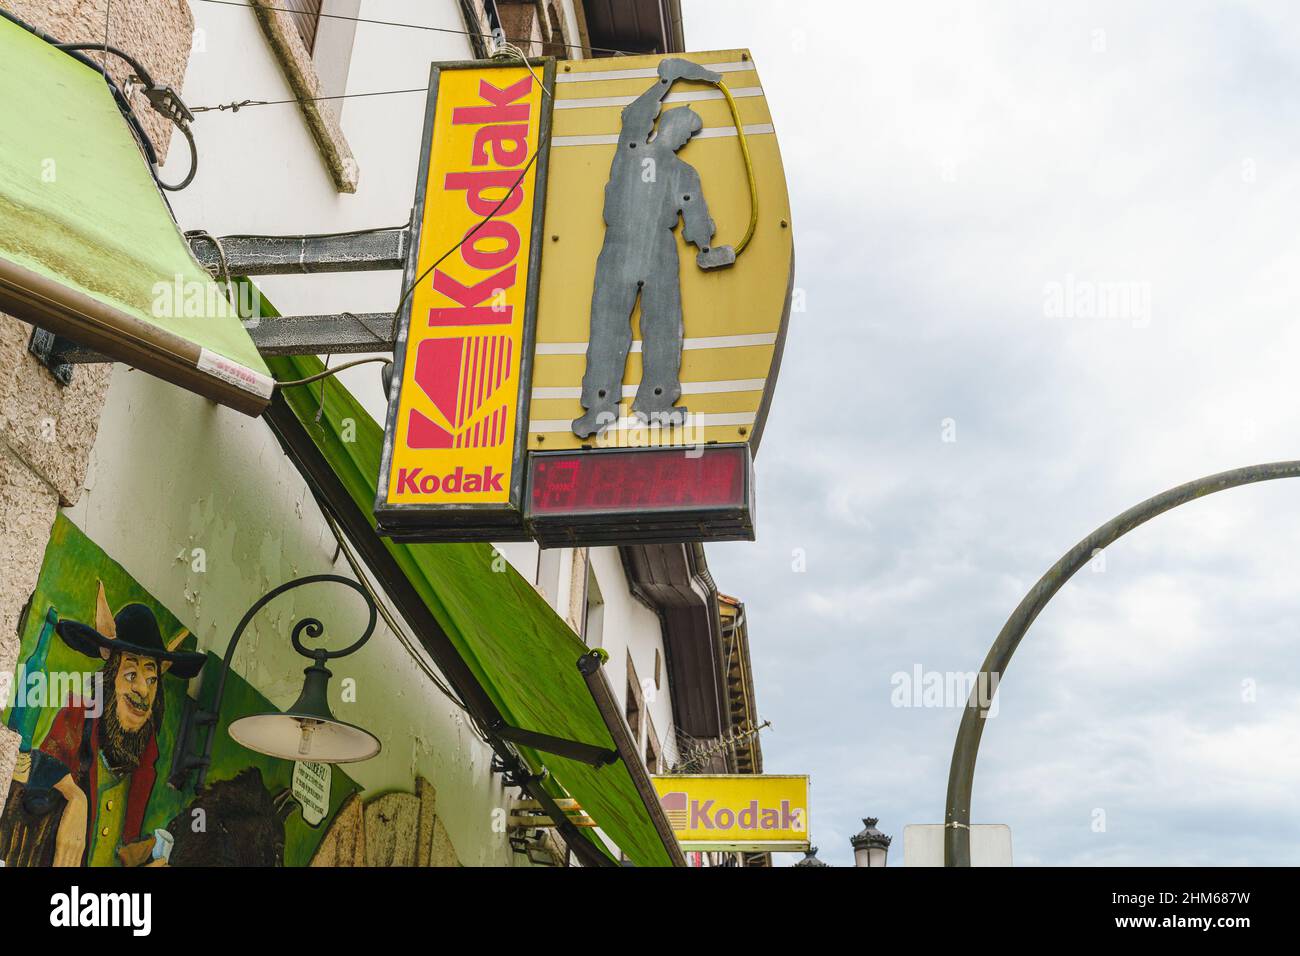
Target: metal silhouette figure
(649, 188)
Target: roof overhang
(674, 581)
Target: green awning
(516, 647)
(88, 247)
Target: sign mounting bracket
(341, 333)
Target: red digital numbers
(661, 479)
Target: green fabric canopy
(88, 247)
(517, 647)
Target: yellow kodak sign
(464, 347)
(751, 812)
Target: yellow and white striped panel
(732, 316)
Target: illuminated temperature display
(649, 494)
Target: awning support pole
(591, 667)
(572, 749)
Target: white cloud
(946, 161)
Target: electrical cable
(104, 47)
(194, 163)
(398, 631)
(483, 222)
(236, 106)
(333, 371)
(223, 265)
(163, 100)
(119, 97)
(749, 169)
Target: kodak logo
(703, 816)
(414, 481)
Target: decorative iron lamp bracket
(312, 705)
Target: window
(305, 15)
(593, 627)
(634, 704)
(548, 575)
(557, 45)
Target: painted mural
(104, 670)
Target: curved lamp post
(306, 731)
(961, 774)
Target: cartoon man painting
(99, 756)
(649, 188)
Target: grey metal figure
(649, 188)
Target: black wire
(469, 235)
(108, 8)
(131, 61)
(420, 26)
(235, 107)
(118, 97)
(194, 163)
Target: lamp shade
(307, 730)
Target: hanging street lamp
(306, 731)
(810, 858)
(870, 846)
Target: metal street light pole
(961, 775)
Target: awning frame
(333, 497)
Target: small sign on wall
(311, 786)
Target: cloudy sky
(964, 176)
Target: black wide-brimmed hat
(135, 631)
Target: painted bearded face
(134, 688)
(136, 711)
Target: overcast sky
(958, 171)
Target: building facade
(116, 479)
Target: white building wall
(629, 627)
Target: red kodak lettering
(486, 259)
(469, 297)
(497, 137)
(413, 481)
(476, 183)
(499, 111)
(406, 481)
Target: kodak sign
(750, 812)
(458, 410)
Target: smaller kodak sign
(751, 812)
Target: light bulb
(304, 743)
